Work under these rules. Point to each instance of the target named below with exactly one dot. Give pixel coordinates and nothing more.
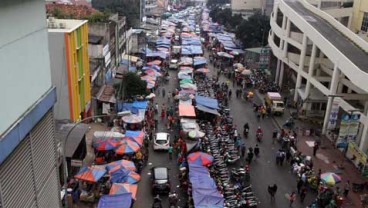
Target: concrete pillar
(288, 25)
(319, 4)
(277, 70)
(310, 70)
(333, 88)
(363, 144)
(281, 75)
(350, 20)
(301, 67)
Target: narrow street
(264, 171)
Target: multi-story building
(248, 7)
(328, 63)
(68, 45)
(360, 18)
(28, 154)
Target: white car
(173, 64)
(161, 141)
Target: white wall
(58, 75)
(24, 58)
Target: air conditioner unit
(62, 25)
(52, 25)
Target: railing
(337, 25)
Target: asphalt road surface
(264, 171)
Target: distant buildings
(68, 45)
(248, 7)
(28, 152)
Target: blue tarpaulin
(121, 106)
(115, 201)
(207, 102)
(129, 133)
(140, 104)
(204, 189)
(199, 62)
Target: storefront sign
(76, 163)
(333, 115)
(341, 141)
(355, 154)
(349, 128)
(353, 127)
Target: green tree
(216, 3)
(253, 32)
(127, 8)
(133, 85)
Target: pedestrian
(163, 92)
(299, 185)
(270, 191)
(346, 188)
(292, 198)
(170, 151)
(274, 135)
(250, 155)
(256, 151)
(230, 93)
(282, 158)
(303, 193)
(243, 148)
(315, 148)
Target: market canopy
(124, 176)
(207, 102)
(155, 62)
(183, 81)
(189, 86)
(200, 158)
(128, 147)
(207, 110)
(115, 201)
(132, 119)
(106, 145)
(91, 174)
(136, 136)
(186, 110)
(121, 188)
(127, 164)
(203, 70)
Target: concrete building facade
(248, 7)
(327, 61)
(28, 154)
(68, 45)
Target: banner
(333, 115)
(353, 127)
(341, 141)
(349, 128)
(358, 157)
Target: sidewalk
(328, 158)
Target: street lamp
(65, 167)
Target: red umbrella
(106, 145)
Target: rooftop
(64, 25)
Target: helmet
(259, 127)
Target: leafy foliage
(127, 8)
(253, 32)
(133, 85)
(224, 17)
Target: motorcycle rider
(157, 202)
(259, 134)
(256, 150)
(173, 199)
(259, 130)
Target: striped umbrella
(330, 178)
(124, 176)
(120, 188)
(128, 147)
(129, 165)
(91, 174)
(132, 119)
(106, 145)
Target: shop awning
(115, 201)
(75, 137)
(207, 102)
(132, 58)
(106, 94)
(186, 110)
(207, 110)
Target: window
(315, 107)
(365, 22)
